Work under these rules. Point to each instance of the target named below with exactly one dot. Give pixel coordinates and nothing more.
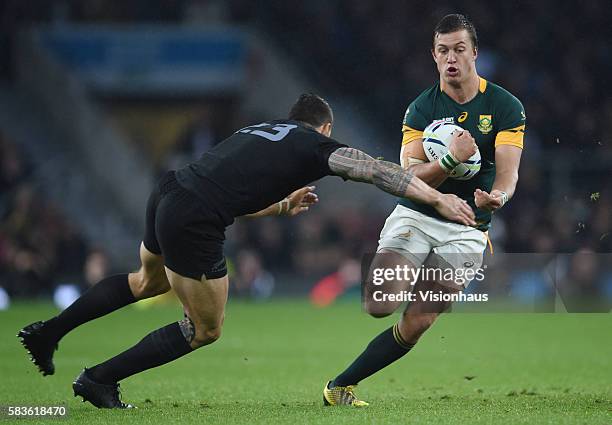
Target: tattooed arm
(356, 165)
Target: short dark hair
(456, 22)
(311, 109)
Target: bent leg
(204, 303)
(388, 346)
(110, 294)
(398, 340)
(422, 313)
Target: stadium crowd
(39, 247)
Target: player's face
(455, 56)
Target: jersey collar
(482, 87)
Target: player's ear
(325, 129)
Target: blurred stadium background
(97, 98)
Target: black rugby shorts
(185, 231)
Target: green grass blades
(273, 359)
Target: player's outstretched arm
(356, 165)
(294, 204)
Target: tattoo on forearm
(356, 165)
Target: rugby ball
(436, 141)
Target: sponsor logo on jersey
(523, 117)
(462, 117)
(485, 124)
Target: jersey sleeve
(325, 146)
(512, 124)
(414, 123)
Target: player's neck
(464, 92)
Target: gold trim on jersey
(410, 134)
(512, 136)
(483, 85)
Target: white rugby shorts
(415, 235)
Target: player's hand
(301, 200)
(456, 209)
(488, 201)
(462, 145)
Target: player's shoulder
(427, 96)
(419, 112)
(500, 95)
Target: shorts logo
(406, 235)
(462, 117)
(485, 124)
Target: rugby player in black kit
(250, 173)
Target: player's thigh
(462, 253)
(406, 231)
(390, 276)
(204, 303)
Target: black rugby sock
(105, 297)
(159, 347)
(380, 352)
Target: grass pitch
(274, 358)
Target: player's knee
(205, 335)
(425, 322)
(377, 312)
(378, 309)
(413, 326)
(147, 285)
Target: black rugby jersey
(258, 166)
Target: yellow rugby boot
(341, 396)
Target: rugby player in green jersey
(414, 235)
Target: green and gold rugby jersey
(494, 117)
